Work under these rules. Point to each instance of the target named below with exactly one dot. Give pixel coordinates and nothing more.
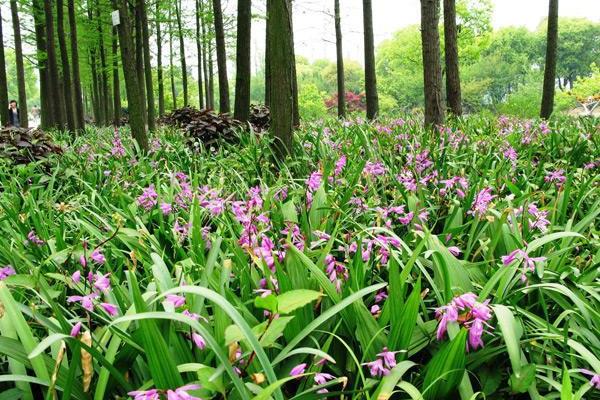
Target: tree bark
(432, 69)
(211, 75)
(267, 66)
(23, 109)
(340, 61)
(77, 92)
(115, 73)
(370, 76)
(57, 102)
(171, 66)
(132, 84)
(147, 67)
(66, 69)
(200, 57)
(281, 79)
(47, 115)
(159, 67)
(184, 79)
(242, 72)
(453, 93)
(208, 99)
(104, 92)
(221, 57)
(139, 57)
(3, 81)
(292, 60)
(550, 68)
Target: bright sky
(315, 35)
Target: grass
(220, 271)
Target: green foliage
(311, 102)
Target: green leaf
(267, 303)
(290, 301)
(388, 383)
(520, 381)
(446, 369)
(566, 391)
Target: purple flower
(198, 341)
(339, 165)
(455, 251)
(117, 150)
(321, 378)
(475, 333)
(377, 369)
(34, 239)
(101, 282)
(298, 369)
(86, 301)
(374, 169)
(314, 181)
(481, 202)
(166, 208)
(82, 261)
(151, 394)
(557, 176)
(76, 329)
(182, 393)
(389, 357)
(6, 271)
(98, 257)
(176, 300)
(473, 316)
(76, 277)
(110, 309)
(148, 199)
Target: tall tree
(292, 60)
(211, 72)
(453, 93)
(340, 60)
(200, 57)
(432, 68)
(550, 68)
(267, 66)
(58, 100)
(132, 84)
(171, 66)
(207, 89)
(3, 81)
(47, 115)
(159, 67)
(279, 26)
(104, 92)
(66, 69)
(23, 109)
(147, 67)
(221, 57)
(184, 79)
(115, 73)
(242, 71)
(139, 55)
(77, 92)
(370, 77)
(97, 106)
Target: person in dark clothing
(13, 114)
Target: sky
(315, 35)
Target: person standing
(13, 114)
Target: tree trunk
(184, 80)
(221, 57)
(432, 69)
(267, 67)
(57, 98)
(453, 94)
(147, 66)
(132, 85)
(281, 79)
(66, 69)
(96, 102)
(116, 81)
(370, 77)
(171, 67)
(159, 67)
(207, 95)
(550, 68)
(340, 61)
(292, 60)
(47, 115)
(211, 75)
(104, 92)
(199, 51)
(139, 57)
(3, 81)
(242, 71)
(23, 109)
(77, 92)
